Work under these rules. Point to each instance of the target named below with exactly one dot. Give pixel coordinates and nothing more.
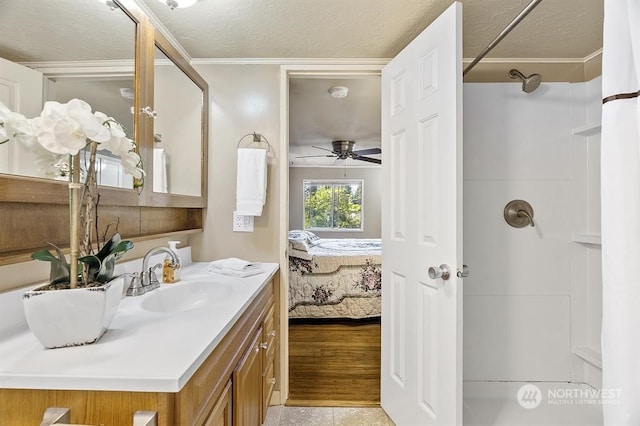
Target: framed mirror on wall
(179, 130)
(79, 33)
(104, 55)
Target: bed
(334, 278)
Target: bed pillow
(302, 240)
(299, 244)
(307, 236)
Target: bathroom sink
(186, 296)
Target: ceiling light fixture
(178, 3)
(339, 91)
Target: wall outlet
(242, 223)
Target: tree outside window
(333, 205)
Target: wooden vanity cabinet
(237, 361)
(229, 383)
(247, 386)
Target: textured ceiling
(36, 30)
(376, 28)
(316, 118)
(66, 30)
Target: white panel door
(422, 227)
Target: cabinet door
(270, 343)
(221, 414)
(247, 386)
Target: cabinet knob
(272, 381)
(257, 348)
(264, 345)
(272, 333)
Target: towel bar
(257, 138)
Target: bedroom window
(333, 205)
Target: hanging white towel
(251, 189)
(160, 163)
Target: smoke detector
(339, 91)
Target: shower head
(530, 83)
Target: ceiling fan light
(173, 4)
(339, 91)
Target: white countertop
(141, 351)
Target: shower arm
(503, 34)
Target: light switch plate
(242, 223)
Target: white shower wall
(520, 299)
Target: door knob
(443, 271)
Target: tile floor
(280, 415)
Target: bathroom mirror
(178, 129)
(83, 49)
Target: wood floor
(334, 363)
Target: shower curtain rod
(503, 34)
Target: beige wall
(243, 99)
(371, 197)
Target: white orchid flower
(57, 132)
(92, 127)
(116, 129)
(130, 163)
(65, 129)
(60, 136)
(19, 128)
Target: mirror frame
(24, 189)
(35, 210)
(178, 200)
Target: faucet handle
(153, 278)
(133, 284)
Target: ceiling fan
(344, 149)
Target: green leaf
(90, 260)
(106, 269)
(44, 255)
(122, 248)
(107, 248)
(59, 267)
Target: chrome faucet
(149, 276)
(147, 280)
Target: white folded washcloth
(238, 274)
(232, 264)
(234, 267)
(251, 184)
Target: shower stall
(532, 303)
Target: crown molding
(84, 69)
(290, 61)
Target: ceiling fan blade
(368, 151)
(368, 159)
(319, 147)
(316, 156)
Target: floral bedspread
(343, 279)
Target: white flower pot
(72, 317)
